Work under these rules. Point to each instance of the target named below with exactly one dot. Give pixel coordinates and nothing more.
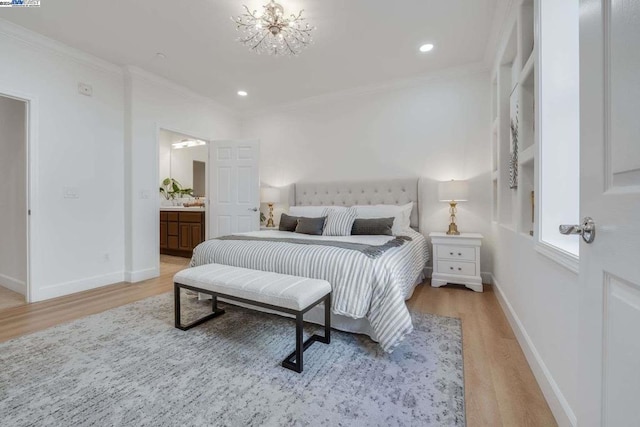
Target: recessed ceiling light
(242, 93)
(426, 47)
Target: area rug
(130, 367)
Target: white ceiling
(357, 42)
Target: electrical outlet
(85, 89)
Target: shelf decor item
(453, 192)
(513, 159)
(270, 196)
(533, 211)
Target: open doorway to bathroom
(182, 175)
(13, 203)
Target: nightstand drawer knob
(451, 268)
(450, 253)
(459, 269)
(459, 254)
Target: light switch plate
(71, 192)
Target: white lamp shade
(453, 191)
(270, 195)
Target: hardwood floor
(500, 389)
(9, 298)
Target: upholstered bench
(280, 292)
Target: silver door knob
(253, 209)
(587, 229)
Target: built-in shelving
(513, 89)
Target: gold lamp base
(270, 220)
(453, 228)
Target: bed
(369, 292)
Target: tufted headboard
(349, 193)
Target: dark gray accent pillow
(312, 226)
(288, 222)
(372, 227)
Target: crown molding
(501, 19)
(157, 80)
(443, 74)
(43, 43)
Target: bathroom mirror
(184, 159)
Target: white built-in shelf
(527, 155)
(526, 235)
(496, 122)
(527, 70)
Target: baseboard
(61, 289)
(560, 408)
(140, 275)
(13, 284)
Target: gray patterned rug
(130, 366)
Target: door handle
(587, 229)
(253, 209)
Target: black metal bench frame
(293, 361)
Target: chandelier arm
(286, 42)
(255, 47)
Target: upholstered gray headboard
(349, 193)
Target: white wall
(13, 203)
(77, 243)
(153, 103)
(435, 129)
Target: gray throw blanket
(372, 251)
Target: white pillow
(401, 215)
(339, 222)
(312, 211)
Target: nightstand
(456, 259)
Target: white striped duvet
(362, 286)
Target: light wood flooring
(9, 298)
(500, 389)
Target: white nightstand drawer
(458, 268)
(463, 253)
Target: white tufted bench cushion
(281, 290)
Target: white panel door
(235, 187)
(609, 357)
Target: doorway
(182, 176)
(14, 171)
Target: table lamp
(270, 195)
(453, 192)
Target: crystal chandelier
(272, 32)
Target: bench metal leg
(301, 346)
(178, 324)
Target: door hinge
(29, 212)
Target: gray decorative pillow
(312, 226)
(288, 222)
(372, 227)
(339, 222)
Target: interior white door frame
(32, 181)
(160, 127)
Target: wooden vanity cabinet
(180, 232)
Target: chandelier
(272, 32)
